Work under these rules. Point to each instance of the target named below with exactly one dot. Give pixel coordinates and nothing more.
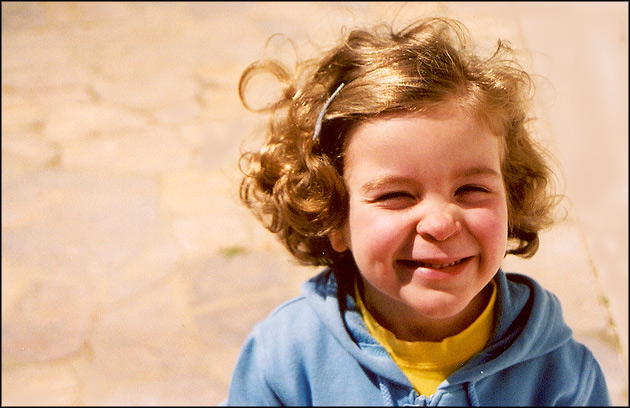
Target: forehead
(448, 138)
(455, 108)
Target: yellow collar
(451, 352)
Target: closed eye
(471, 188)
(472, 194)
(395, 200)
(393, 195)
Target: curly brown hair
(294, 183)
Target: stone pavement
(130, 272)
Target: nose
(438, 222)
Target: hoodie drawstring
(472, 394)
(387, 396)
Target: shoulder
(268, 369)
(542, 343)
(566, 375)
(574, 376)
(289, 319)
(529, 318)
(293, 330)
(287, 355)
(520, 292)
(309, 328)
(521, 283)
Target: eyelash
(392, 195)
(469, 188)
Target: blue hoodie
(316, 350)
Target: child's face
(427, 222)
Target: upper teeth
(438, 266)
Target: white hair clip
(320, 117)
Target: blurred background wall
(130, 272)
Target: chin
(440, 309)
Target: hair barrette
(320, 117)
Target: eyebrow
(475, 171)
(393, 180)
(384, 181)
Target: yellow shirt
(428, 363)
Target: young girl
(403, 162)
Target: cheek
(489, 226)
(372, 234)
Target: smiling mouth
(421, 264)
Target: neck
(421, 328)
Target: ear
(337, 241)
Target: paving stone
(198, 234)
(207, 215)
(217, 277)
(30, 50)
(85, 13)
(44, 102)
(129, 361)
(183, 389)
(123, 342)
(179, 113)
(50, 319)
(13, 168)
(146, 92)
(198, 135)
(16, 16)
(604, 240)
(30, 147)
(155, 261)
(85, 121)
(560, 259)
(83, 223)
(31, 385)
(38, 76)
(228, 294)
(20, 114)
(198, 192)
(150, 150)
(221, 105)
(223, 145)
(14, 280)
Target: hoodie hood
(331, 300)
(316, 350)
(529, 318)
